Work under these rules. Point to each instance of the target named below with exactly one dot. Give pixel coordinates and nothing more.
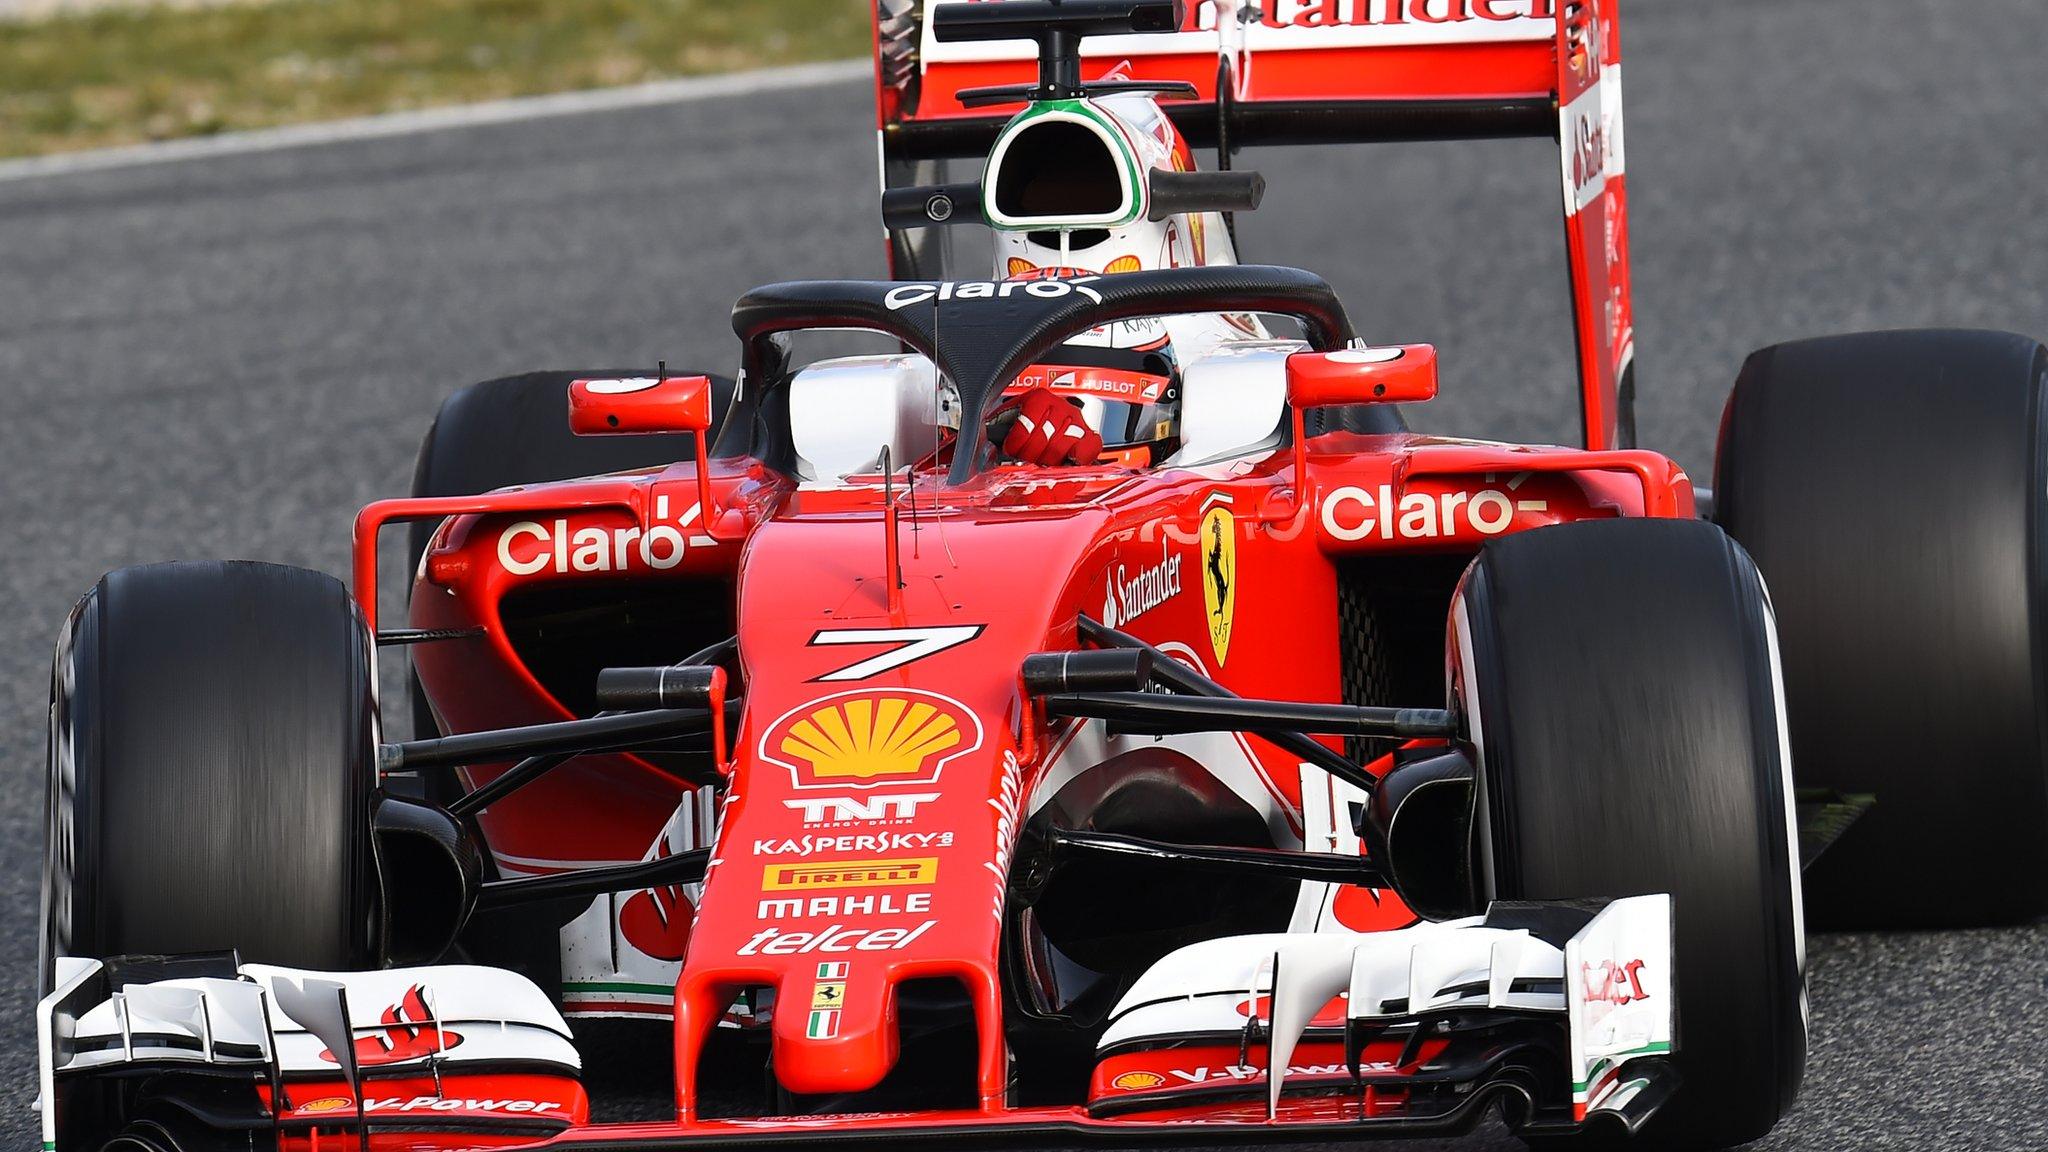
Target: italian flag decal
(826, 997)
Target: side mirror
(1399, 374)
(640, 405)
(1396, 374)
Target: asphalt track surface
(226, 358)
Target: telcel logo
(1359, 513)
(834, 938)
(905, 295)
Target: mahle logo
(904, 295)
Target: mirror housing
(1398, 374)
(642, 405)
(1395, 374)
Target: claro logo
(1362, 513)
(532, 546)
(905, 295)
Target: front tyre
(213, 739)
(1619, 683)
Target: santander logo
(1319, 24)
(1372, 13)
(1131, 595)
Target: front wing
(1562, 1013)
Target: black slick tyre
(1893, 487)
(1618, 681)
(213, 741)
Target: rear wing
(1325, 71)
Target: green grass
(122, 76)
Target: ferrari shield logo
(1219, 577)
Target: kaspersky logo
(871, 737)
(410, 1033)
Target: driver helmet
(1128, 397)
(1123, 376)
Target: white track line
(681, 91)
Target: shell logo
(869, 738)
(1137, 1081)
(325, 1104)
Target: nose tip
(835, 1028)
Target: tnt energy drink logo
(872, 737)
(897, 808)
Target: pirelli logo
(812, 877)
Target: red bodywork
(887, 757)
(1018, 555)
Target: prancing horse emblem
(1219, 577)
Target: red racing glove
(1049, 430)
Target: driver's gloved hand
(1043, 428)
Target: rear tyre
(515, 430)
(1891, 487)
(1619, 682)
(213, 740)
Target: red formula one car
(1087, 714)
